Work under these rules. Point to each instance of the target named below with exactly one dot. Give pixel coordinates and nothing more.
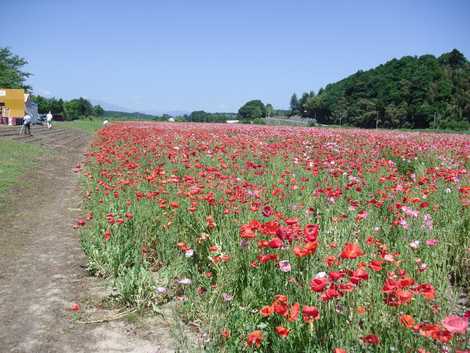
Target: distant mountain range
(121, 111)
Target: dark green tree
(11, 70)
(269, 110)
(46, 105)
(43, 104)
(455, 58)
(253, 109)
(98, 110)
(294, 105)
(199, 116)
(302, 104)
(78, 108)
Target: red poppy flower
(334, 276)
(346, 287)
(404, 296)
(281, 298)
(361, 310)
(407, 321)
(330, 260)
(285, 233)
(267, 211)
(270, 228)
(427, 291)
(359, 275)
(255, 338)
(311, 247)
(310, 313)
(294, 312)
(280, 309)
(405, 282)
(246, 232)
(351, 251)
(225, 333)
(210, 222)
(266, 258)
(282, 331)
(442, 335)
(275, 243)
(376, 265)
(330, 293)
(291, 221)
(370, 339)
(266, 310)
(311, 232)
(107, 235)
(422, 350)
(427, 329)
(318, 284)
(300, 252)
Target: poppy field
(278, 239)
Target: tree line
(70, 110)
(411, 92)
(250, 111)
(200, 116)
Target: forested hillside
(411, 92)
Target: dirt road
(43, 270)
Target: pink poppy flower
(285, 266)
(404, 224)
(455, 324)
(432, 242)
(410, 212)
(427, 222)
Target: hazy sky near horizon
(159, 55)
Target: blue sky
(155, 55)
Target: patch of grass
(15, 160)
(133, 318)
(88, 125)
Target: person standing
(49, 120)
(26, 128)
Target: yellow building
(14, 103)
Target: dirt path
(43, 270)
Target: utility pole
(377, 120)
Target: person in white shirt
(106, 122)
(49, 120)
(26, 128)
